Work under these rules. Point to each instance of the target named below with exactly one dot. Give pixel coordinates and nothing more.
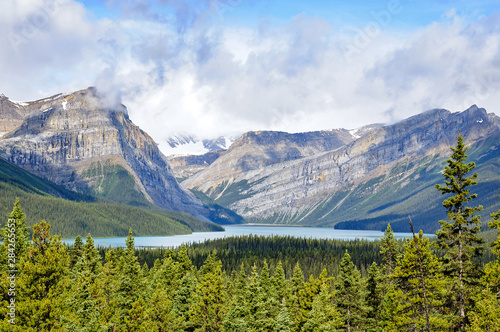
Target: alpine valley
(358, 179)
(74, 151)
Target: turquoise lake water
(296, 231)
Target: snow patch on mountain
(184, 145)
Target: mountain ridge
(64, 136)
(294, 191)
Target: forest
(260, 284)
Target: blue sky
(221, 67)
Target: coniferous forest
(261, 284)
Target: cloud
(180, 68)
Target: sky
(223, 67)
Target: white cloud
(189, 73)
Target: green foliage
(114, 182)
(349, 295)
(389, 250)
(459, 237)
(73, 214)
(420, 289)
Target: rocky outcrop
(186, 166)
(292, 188)
(256, 150)
(62, 137)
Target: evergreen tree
(239, 309)
(296, 286)
(388, 250)
(349, 295)
(16, 239)
(458, 237)
(208, 309)
(420, 289)
(183, 300)
(85, 295)
(280, 282)
(486, 313)
(373, 297)
(129, 284)
(283, 321)
(42, 283)
(324, 317)
(76, 251)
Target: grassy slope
(72, 214)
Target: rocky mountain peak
(68, 137)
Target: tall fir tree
(389, 250)
(420, 290)
(324, 317)
(458, 237)
(373, 297)
(43, 281)
(283, 321)
(208, 309)
(349, 297)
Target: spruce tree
(129, 285)
(42, 283)
(324, 317)
(420, 286)
(349, 297)
(458, 237)
(76, 251)
(85, 295)
(283, 321)
(389, 250)
(208, 309)
(20, 233)
(373, 297)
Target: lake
(235, 230)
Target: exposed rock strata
(288, 189)
(60, 137)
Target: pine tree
(280, 282)
(239, 309)
(420, 286)
(283, 321)
(389, 250)
(296, 286)
(486, 314)
(208, 310)
(16, 239)
(76, 251)
(323, 317)
(129, 285)
(458, 237)
(349, 295)
(373, 297)
(85, 296)
(42, 282)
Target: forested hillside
(74, 289)
(414, 285)
(73, 214)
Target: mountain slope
(387, 174)
(77, 141)
(72, 214)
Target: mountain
(185, 166)
(80, 142)
(71, 214)
(186, 145)
(379, 175)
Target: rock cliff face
(66, 138)
(299, 188)
(256, 150)
(186, 166)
